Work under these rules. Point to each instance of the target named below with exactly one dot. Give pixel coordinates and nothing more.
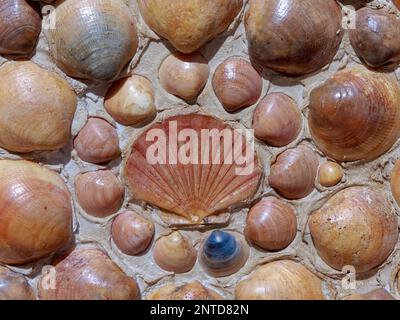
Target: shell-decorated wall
(88, 86)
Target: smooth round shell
(376, 38)
(293, 173)
(280, 280)
(175, 253)
(277, 120)
(236, 84)
(376, 294)
(87, 273)
(293, 37)
(357, 227)
(36, 108)
(189, 291)
(99, 193)
(36, 213)
(355, 115)
(132, 233)
(395, 182)
(184, 75)
(271, 224)
(223, 253)
(329, 174)
(130, 101)
(97, 142)
(188, 25)
(20, 26)
(92, 39)
(14, 286)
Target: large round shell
(189, 291)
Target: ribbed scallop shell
(189, 291)
(192, 191)
(14, 286)
(355, 115)
(93, 39)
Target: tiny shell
(395, 182)
(184, 75)
(277, 120)
(330, 174)
(97, 142)
(175, 253)
(14, 286)
(376, 294)
(189, 291)
(99, 193)
(132, 233)
(237, 84)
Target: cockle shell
(189, 291)
(188, 25)
(280, 280)
(87, 273)
(36, 213)
(20, 26)
(355, 115)
(92, 39)
(357, 227)
(14, 286)
(191, 191)
(36, 108)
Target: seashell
(357, 227)
(87, 273)
(397, 3)
(36, 213)
(395, 182)
(293, 173)
(97, 142)
(20, 25)
(355, 115)
(329, 174)
(130, 101)
(237, 84)
(223, 253)
(271, 224)
(93, 39)
(189, 190)
(99, 193)
(14, 286)
(184, 75)
(188, 25)
(36, 108)
(293, 37)
(189, 291)
(132, 233)
(175, 253)
(280, 280)
(376, 294)
(277, 120)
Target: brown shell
(329, 174)
(357, 227)
(293, 37)
(355, 115)
(397, 3)
(395, 182)
(189, 291)
(376, 294)
(14, 286)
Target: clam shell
(330, 174)
(14, 286)
(395, 182)
(189, 291)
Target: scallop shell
(93, 39)
(189, 291)
(191, 191)
(14, 286)
(355, 115)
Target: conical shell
(14, 286)
(189, 291)
(192, 191)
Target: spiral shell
(188, 25)
(293, 173)
(92, 39)
(36, 108)
(357, 227)
(376, 294)
(175, 253)
(280, 280)
(355, 115)
(36, 199)
(329, 174)
(14, 286)
(189, 291)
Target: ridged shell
(376, 294)
(87, 273)
(189, 291)
(357, 227)
(355, 115)
(188, 25)
(293, 173)
(20, 26)
(36, 108)
(191, 191)
(36, 212)
(175, 253)
(223, 253)
(293, 37)
(93, 39)
(14, 286)
(280, 280)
